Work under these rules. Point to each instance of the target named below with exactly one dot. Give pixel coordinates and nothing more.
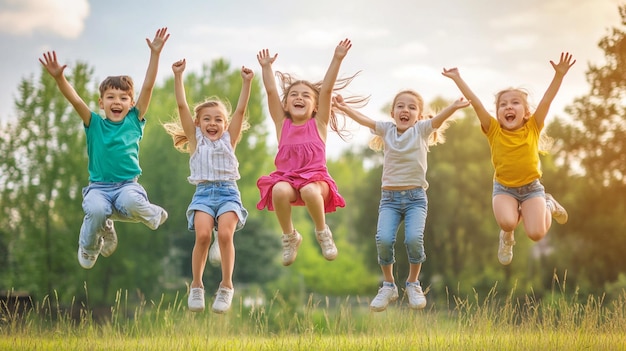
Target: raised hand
(161, 36)
(179, 66)
(51, 64)
(246, 73)
(264, 57)
(342, 49)
(460, 103)
(451, 73)
(564, 63)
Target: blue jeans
(396, 206)
(122, 201)
(215, 199)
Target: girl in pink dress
(301, 177)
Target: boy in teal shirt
(113, 150)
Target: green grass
(488, 323)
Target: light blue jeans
(123, 201)
(396, 206)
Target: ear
(100, 104)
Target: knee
(536, 235)
(281, 191)
(203, 237)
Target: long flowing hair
(175, 129)
(288, 81)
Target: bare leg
(283, 194)
(225, 234)
(203, 223)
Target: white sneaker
(325, 238)
(558, 212)
(109, 239)
(215, 256)
(291, 243)
(417, 300)
(386, 294)
(195, 301)
(87, 259)
(223, 299)
(505, 249)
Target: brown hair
(287, 82)
(124, 83)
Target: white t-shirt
(405, 155)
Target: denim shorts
(215, 199)
(520, 193)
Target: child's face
(512, 112)
(115, 103)
(300, 102)
(405, 112)
(212, 121)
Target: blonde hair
(437, 137)
(175, 129)
(287, 82)
(545, 141)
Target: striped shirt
(213, 160)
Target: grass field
(557, 323)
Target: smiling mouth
(509, 117)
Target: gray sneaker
(109, 239)
(558, 212)
(386, 294)
(223, 299)
(195, 301)
(325, 239)
(215, 256)
(291, 243)
(417, 300)
(505, 249)
(87, 259)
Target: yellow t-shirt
(515, 154)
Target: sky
(397, 44)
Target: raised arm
(156, 45)
(357, 116)
(328, 84)
(234, 127)
(186, 119)
(277, 111)
(483, 116)
(438, 120)
(560, 70)
(53, 67)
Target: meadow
(491, 322)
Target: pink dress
(301, 159)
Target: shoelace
(196, 294)
(325, 240)
(289, 241)
(222, 295)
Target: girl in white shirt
(404, 142)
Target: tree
(592, 149)
(42, 180)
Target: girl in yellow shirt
(514, 143)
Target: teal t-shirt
(113, 147)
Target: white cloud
(24, 17)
